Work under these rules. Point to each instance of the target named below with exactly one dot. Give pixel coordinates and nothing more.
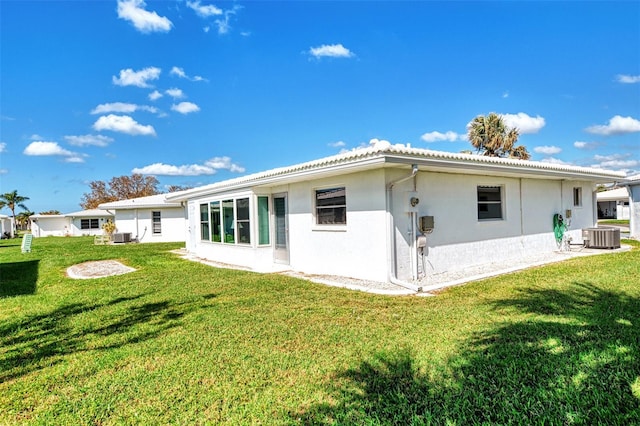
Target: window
(89, 224)
(489, 202)
(216, 222)
(577, 197)
(227, 221)
(331, 206)
(204, 222)
(156, 223)
(263, 220)
(242, 221)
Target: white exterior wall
(357, 250)
(634, 211)
(54, 226)
(75, 226)
(360, 249)
(6, 225)
(460, 240)
(138, 222)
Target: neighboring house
(149, 219)
(7, 226)
(390, 213)
(84, 222)
(634, 206)
(613, 204)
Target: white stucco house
(149, 219)
(634, 206)
(7, 226)
(613, 204)
(389, 213)
(84, 222)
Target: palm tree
(23, 219)
(490, 136)
(13, 200)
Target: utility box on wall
(426, 224)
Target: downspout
(391, 251)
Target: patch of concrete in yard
(97, 269)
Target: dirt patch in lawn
(97, 269)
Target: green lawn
(178, 342)
(614, 222)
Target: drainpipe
(391, 251)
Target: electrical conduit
(391, 253)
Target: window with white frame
(226, 221)
(331, 206)
(263, 220)
(204, 222)
(156, 223)
(89, 224)
(577, 197)
(490, 202)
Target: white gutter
(391, 250)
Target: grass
(614, 222)
(183, 343)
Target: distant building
(84, 222)
(613, 204)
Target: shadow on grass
(18, 278)
(34, 342)
(575, 360)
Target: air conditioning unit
(603, 237)
(122, 237)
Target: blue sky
(194, 92)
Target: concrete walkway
(435, 281)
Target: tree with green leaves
(23, 219)
(12, 200)
(490, 136)
(119, 188)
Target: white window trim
(573, 197)
(503, 197)
(331, 227)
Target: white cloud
(438, 137)
(185, 107)
(618, 125)
(204, 10)
(616, 161)
(36, 137)
(338, 144)
(177, 71)
(3, 147)
(628, 79)
(585, 145)
(4, 171)
(331, 50)
(140, 78)
(552, 160)
(122, 124)
(122, 107)
(144, 21)
(169, 170)
(547, 150)
(523, 122)
(85, 140)
(505, 95)
(210, 167)
(175, 93)
(155, 95)
(42, 148)
(223, 23)
(224, 163)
